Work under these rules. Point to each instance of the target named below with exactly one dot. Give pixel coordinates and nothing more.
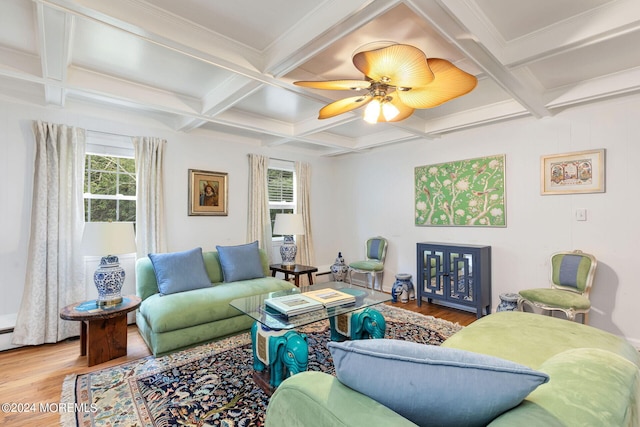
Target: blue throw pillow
(240, 262)
(180, 271)
(431, 385)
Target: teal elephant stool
(361, 324)
(285, 352)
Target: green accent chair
(572, 276)
(373, 265)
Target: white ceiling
(228, 66)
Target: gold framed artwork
(208, 193)
(571, 173)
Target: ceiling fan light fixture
(389, 111)
(402, 71)
(372, 112)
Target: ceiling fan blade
(404, 111)
(343, 106)
(450, 82)
(336, 84)
(403, 65)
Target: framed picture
(208, 193)
(463, 193)
(569, 173)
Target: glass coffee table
(276, 343)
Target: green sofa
(594, 379)
(175, 321)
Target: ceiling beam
(486, 114)
(613, 19)
(325, 25)
(221, 98)
(55, 29)
(448, 19)
(157, 26)
(618, 84)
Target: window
(109, 188)
(281, 192)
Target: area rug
(209, 385)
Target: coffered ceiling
(229, 66)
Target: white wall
(371, 193)
(196, 150)
(377, 198)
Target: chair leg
(376, 277)
(366, 280)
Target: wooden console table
(103, 334)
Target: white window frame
(110, 145)
(285, 166)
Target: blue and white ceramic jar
(108, 279)
(508, 302)
(402, 289)
(339, 269)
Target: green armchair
(373, 265)
(572, 275)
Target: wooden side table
(103, 333)
(296, 270)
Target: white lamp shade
(288, 224)
(108, 238)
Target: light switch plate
(581, 214)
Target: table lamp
(288, 225)
(100, 238)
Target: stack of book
(331, 297)
(292, 305)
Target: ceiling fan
(398, 79)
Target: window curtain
(150, 219)
(306, 255)
(55, 272)
(258, 217)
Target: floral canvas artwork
(463, 193)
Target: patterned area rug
(209, 385)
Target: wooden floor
(456, 316)
(31, 377)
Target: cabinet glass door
(461, 275)
(434, 273)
